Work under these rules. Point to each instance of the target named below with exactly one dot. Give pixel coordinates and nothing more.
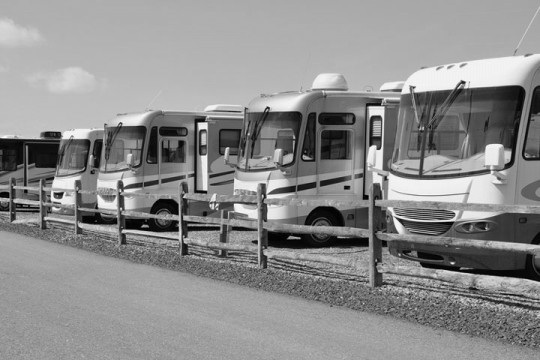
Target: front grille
(244, 192)
(424, 214)
(108, 198)
(107, 194)
(58, 195)
(426, 228)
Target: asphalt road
(58, 302)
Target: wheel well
(536, 240)
(166, 201)
(333, 211)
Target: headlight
(475, 227)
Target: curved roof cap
(394, 86)
(224, 108)
(330, 81)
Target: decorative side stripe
(335, 180)
(156, 182)
(313, 185)
(221, 174)
(288, 189)
(227, 182)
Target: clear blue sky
(76, 63)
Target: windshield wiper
(437, 117)
(109, 140)
(257, 127)
(256, 131)
(63, 149)
(415, 108)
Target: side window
(231, 139)
(203, 142)
(151, 158)
(336, 119)
(173, 151)
(173, 131)
(43, 155)
(375, 126)
(98, 146)
(335, 145)
(8, 159)
(531, 150)
(308, 150)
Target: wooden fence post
(375, 245)
(121, 219)
(12, 205)
(78, 215)
(224, 230)
(42, 207)
(182, 225)
(262, 234)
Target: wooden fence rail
(375, 265)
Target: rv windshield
(444, 133)
(72, 156)
(119, 142)
(263, 133)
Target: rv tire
(4, 205)
(320, 218)
(163, 208)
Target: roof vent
(394, 86)
(330, 81)
(50, 135)
(224, 108)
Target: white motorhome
(469, 132)
(28, 160)
(78, 159)
(312, 145)
(153, 151)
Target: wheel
(163, 208)
(532, 267)
(320, 218)
(4, 205)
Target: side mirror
(92, 161)
(494, 161)
(227, 155)
(372, 157)
(371, 162)
(278, 157)
(129, 160)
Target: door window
(335, 145)
(531, 151)
(173, 151)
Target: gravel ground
(502, 317)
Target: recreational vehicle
(311, 145)
(78, 159)
(153, 151)
(28, 160)
(469, 132)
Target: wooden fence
(375, 264)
